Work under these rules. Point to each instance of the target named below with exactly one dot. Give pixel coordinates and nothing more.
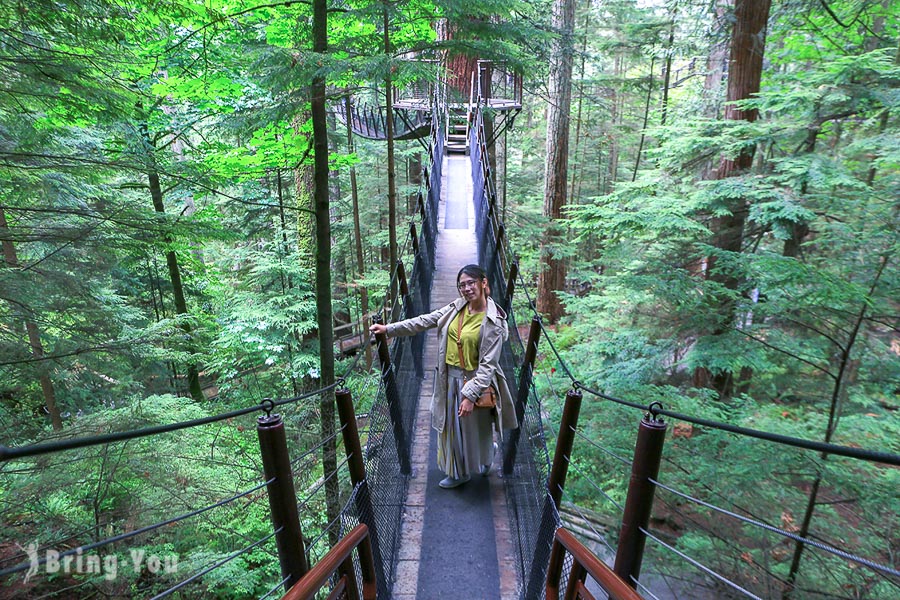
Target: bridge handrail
(340, 559)
(9, 453)
(657, 408)
(585, 561)
(778, 438)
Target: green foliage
(806, 328)
(212, 98)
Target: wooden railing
(340, 560)
(585, 563)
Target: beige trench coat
(494, 332)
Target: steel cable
(148, 528)
(594, 485)
(214, 566)
(274, 589)
(320, 484)
(826, 448)
(48, 447)
(317, 446)
(621, 459)
(700, 566)
(824, 547)
(599, 535)
(643, 587)
(867, 455)
(324, 531)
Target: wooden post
(414, 237)
(353, 449)
(564, 443)
(282, 498)
(639, 502)
(393, 400)
(511, 284)
(418, 340)
(547, 529)
(534, 336)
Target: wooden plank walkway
(454, 543)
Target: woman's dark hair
(472, 271)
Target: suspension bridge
(499, 536)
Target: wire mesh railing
(392, 415)
(533, 519)
(370, 121)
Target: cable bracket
(653, 412)
(268, 405)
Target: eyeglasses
(464, 285)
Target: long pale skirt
(466, 442)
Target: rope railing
(7, 453)
(390, 420)
(533, 518)
(875, 456)
(124, 437)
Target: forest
(703, 196)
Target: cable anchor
(653, 411)
(268, 406)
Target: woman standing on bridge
(475, 325)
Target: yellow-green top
(471, 330)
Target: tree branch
(785, 352)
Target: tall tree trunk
(552, 277)
(178, 299)
(745, 72)
(357, 234)
(160, 312)
(667, 77)
(578, 110)
(612, 163)
(640, 150)
(323, 270)
(304, 191)
(459, 67)
(34, 334)
(393, 253)
(286, 283)
(718, 54)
